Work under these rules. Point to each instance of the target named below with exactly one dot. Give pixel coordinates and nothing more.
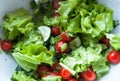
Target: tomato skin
(6, 45)
(88, 75)
(114, 57)
(56, 4)
(72, 79)
(55, 30)
(65, 37)
(59, 45)
(56, 15)
(43, 70)
(65, 73)
(105, 41)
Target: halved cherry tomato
(105, 41)
(65, 37)
(59, 46)
(43, 70)
(56, 15)
(72, 79)
(56, 4)
(114, 57)
(65, 73)
(88, 75)
(55, 30)
(6, 45)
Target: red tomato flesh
(65, 73)
(65, 37)
(88, 75)
(59, 45)
(114, 57)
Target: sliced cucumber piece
(45, 31)
(74, 44)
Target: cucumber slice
(74, 44)
(45, 31)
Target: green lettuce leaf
(33, 37)
(30, 56)
(21, 76)
(114, 40)
(93, 42)
(66, 7)
(82, 58)
(17, 23)
(83, 16)
(74, 25)
(101, 67)
(52, 78)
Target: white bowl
(8, 65)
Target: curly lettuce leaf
(83, 16)
(30, 56)
(95, 21)
(101, 67)
(66, 7)
(82, 58)
(114, 40)
(33, 37)
(21, 76)
(17, 23)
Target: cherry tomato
(65, 73)
(56, 4)
(65, 37)
(6, 45)
(88, 75)
(56, 15)
(114, 57)
(43, 70)
(55, 31)
(72, 79)
(105, 41)
(59, 45)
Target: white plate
(7, 64)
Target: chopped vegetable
(21, 76)
(89, 75)
(114, 40)
(6, 45)
(65, 73)
(114, 57)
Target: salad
(61, 40)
